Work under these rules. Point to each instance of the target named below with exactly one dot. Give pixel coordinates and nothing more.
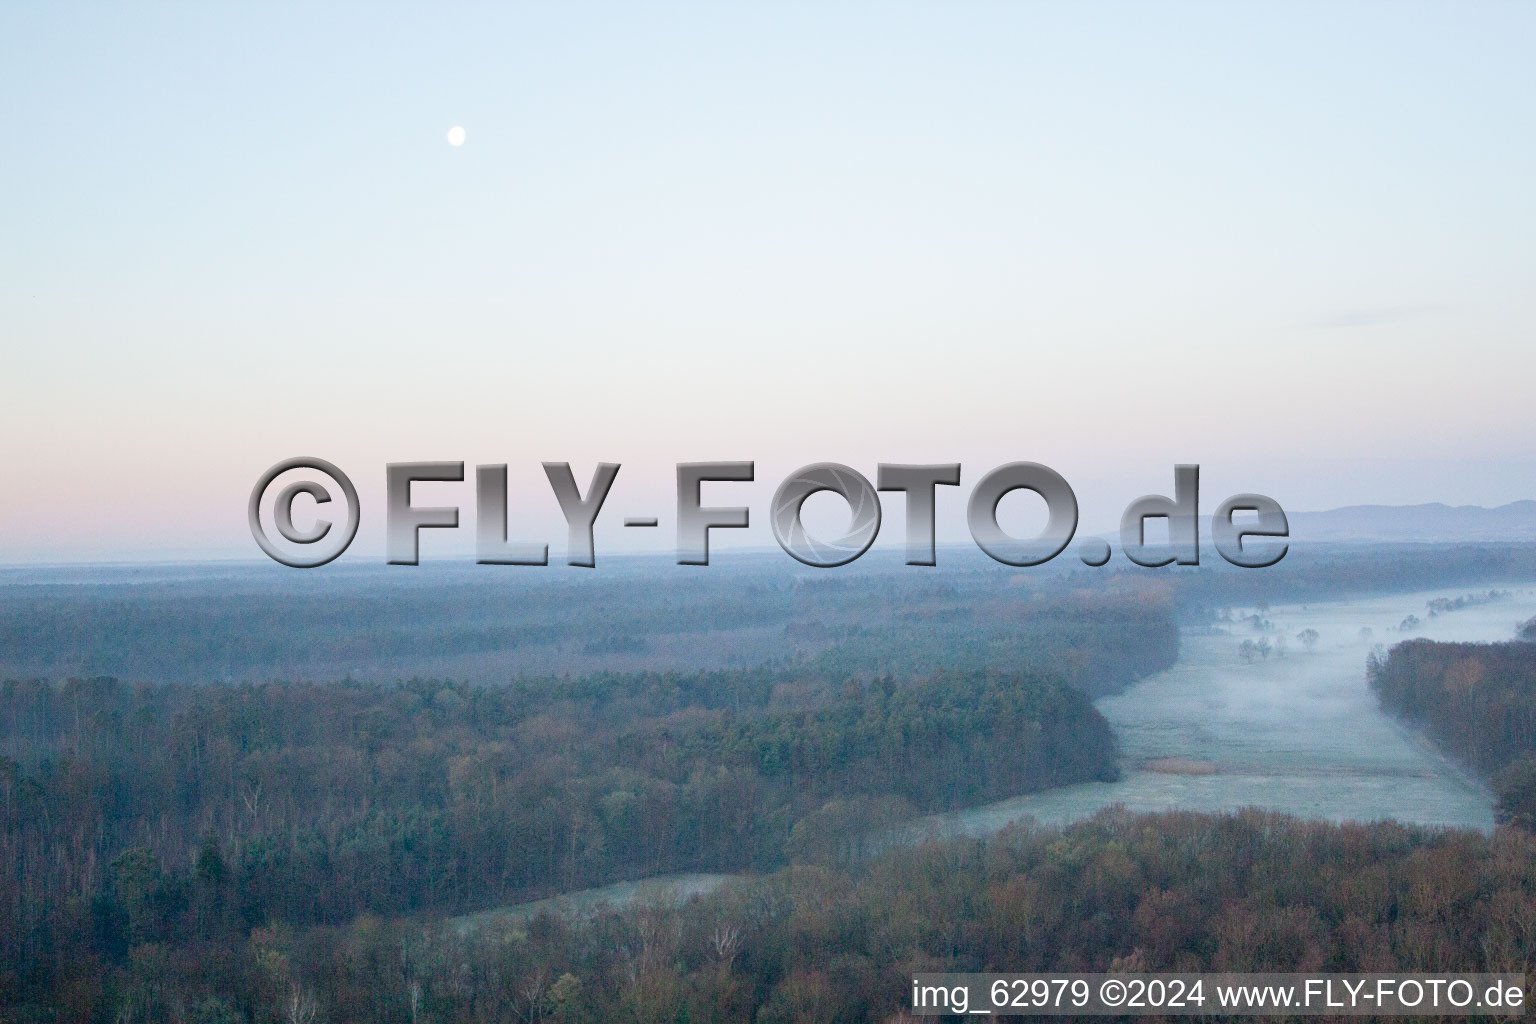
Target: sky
(1289, 242)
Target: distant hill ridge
(1435, 521)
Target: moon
(456, 135)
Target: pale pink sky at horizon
(1292, 245)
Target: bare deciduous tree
(301, 1005)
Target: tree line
(152, 820)
(823, 943)
(1478, 702)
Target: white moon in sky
(456, 135)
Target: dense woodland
(1478, 701)
(821, 944)
(144, 818)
